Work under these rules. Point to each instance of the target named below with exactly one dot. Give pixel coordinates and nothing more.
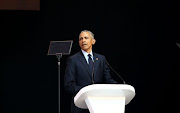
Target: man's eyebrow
(82, 36)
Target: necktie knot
(89, 55)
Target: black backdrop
(138, 39)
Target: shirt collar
(86, 54)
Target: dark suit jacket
(78, 75)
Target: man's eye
(86, 37)
(80, 38)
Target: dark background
(137, 37)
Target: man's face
(86, 41)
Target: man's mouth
(84, 44)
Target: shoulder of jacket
(75, 55)
(98, 55)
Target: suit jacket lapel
(84, 62)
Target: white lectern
(105, 98)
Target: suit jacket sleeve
(70, 77)
(107, 77)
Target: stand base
(105, 104)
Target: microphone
(93, 71)
(116, 73)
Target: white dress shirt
(86, 55)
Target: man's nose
(83, 40)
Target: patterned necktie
(90, 62)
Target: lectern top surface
(104, 90)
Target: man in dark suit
(85, 68)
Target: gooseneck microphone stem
(116, 73)
(93, 73)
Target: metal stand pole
(59, 93)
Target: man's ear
(93, 41)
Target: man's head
(86, 40)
